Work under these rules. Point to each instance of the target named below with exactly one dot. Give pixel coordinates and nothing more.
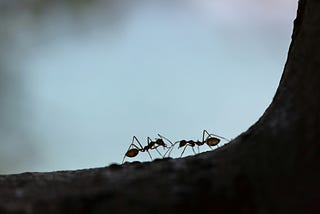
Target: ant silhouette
(211, 140)
(150, 145)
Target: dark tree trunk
(271, 168)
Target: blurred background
(79, 78)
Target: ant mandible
(210, 140)
(150, 145)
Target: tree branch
(271, 168)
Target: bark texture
(271, 168)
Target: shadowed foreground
(271, 168)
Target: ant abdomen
(132, 153)
(212, 141)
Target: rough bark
(271, 168)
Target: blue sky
(91, 84)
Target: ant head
(212, 141)
(132, 153)
(160, 142)
(182, 143)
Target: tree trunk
(271, 168)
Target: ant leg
(149, 155)
(198, 149)
(132, 144)
(135, 138)
(148, 142)
(123, 159)
(210, 147)
(193, 150)
(183, 150)
(167, 152)
(156, 148)
(203, 133)
(159, 152)
(171, 148)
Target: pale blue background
(90, 78)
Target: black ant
(210, 140)
(150, 145)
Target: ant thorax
(198, 143)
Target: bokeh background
(79, 78)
